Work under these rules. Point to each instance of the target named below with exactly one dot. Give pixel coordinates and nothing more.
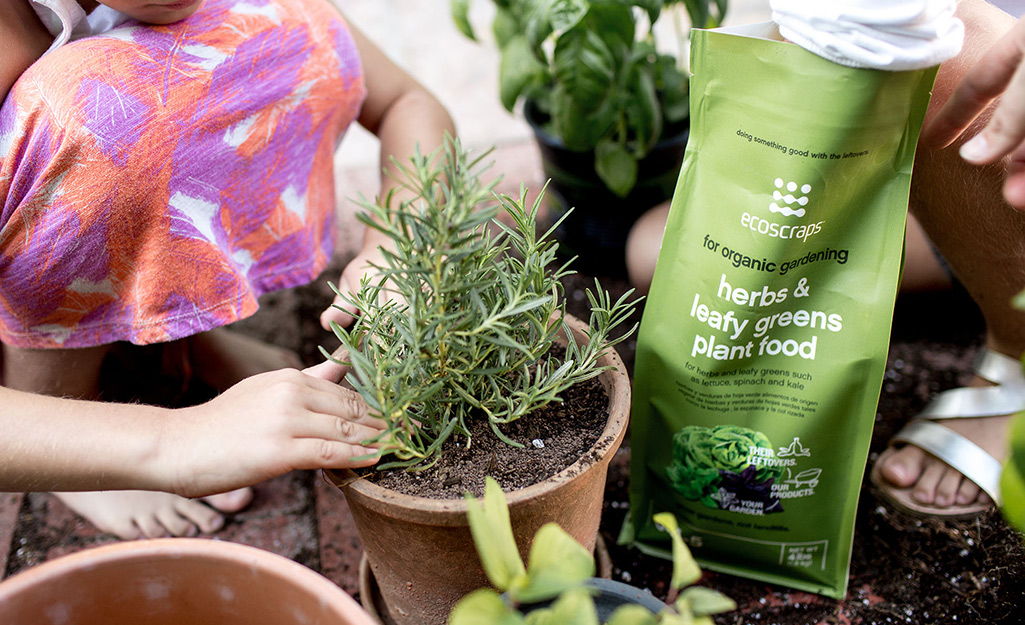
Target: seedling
(556, 570)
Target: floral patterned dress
(156, 180)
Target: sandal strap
(998, 368)
(1007, 397)
(963, 455)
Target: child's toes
(203, 516)
(151, 527)
(231, 501)
(175, 523)
(123, 528)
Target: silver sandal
(1007, 396)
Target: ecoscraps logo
(790, 201)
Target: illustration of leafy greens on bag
(730, 467)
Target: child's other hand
(340, 311)
(265, 426)
(364, 264)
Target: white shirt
(67, 21)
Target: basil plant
(592, 68)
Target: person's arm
(403, 115)
(264, 426)
(999, 74)
(23, 39)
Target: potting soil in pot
(553, 438)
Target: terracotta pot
(174, 581)
(420, 550)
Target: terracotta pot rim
(94, 558)
(453, 511)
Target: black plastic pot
(597, 229)
(609, 596)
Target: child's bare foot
(221, 358)
(144, 514)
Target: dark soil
(903, 570)
(564, 431)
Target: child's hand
(265, 426)
(362, 265)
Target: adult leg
(961, 208)
(923, 270)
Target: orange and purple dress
(156, 180)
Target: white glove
(892, 35)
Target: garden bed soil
(904, 570)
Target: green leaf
(698, 12)
(557, 562)
(614, 22)
(644, 112)
(505, 26)
(615, 166)
(493, 537)
(720, 13)
(461, 17)
(483, 607)
(685, 569)
(652, 7)
(673, 87)
(1012, 481)
(565, 14)
(579, 132)
(704, 601)
(632, 614)
(537, 23)
(574, 607)
(583, 64)
(517, 68)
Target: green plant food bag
(764, 339)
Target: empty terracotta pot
(175, 581)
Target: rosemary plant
(459, 322)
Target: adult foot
(934, 483)
(136, 514)
(953, 451)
